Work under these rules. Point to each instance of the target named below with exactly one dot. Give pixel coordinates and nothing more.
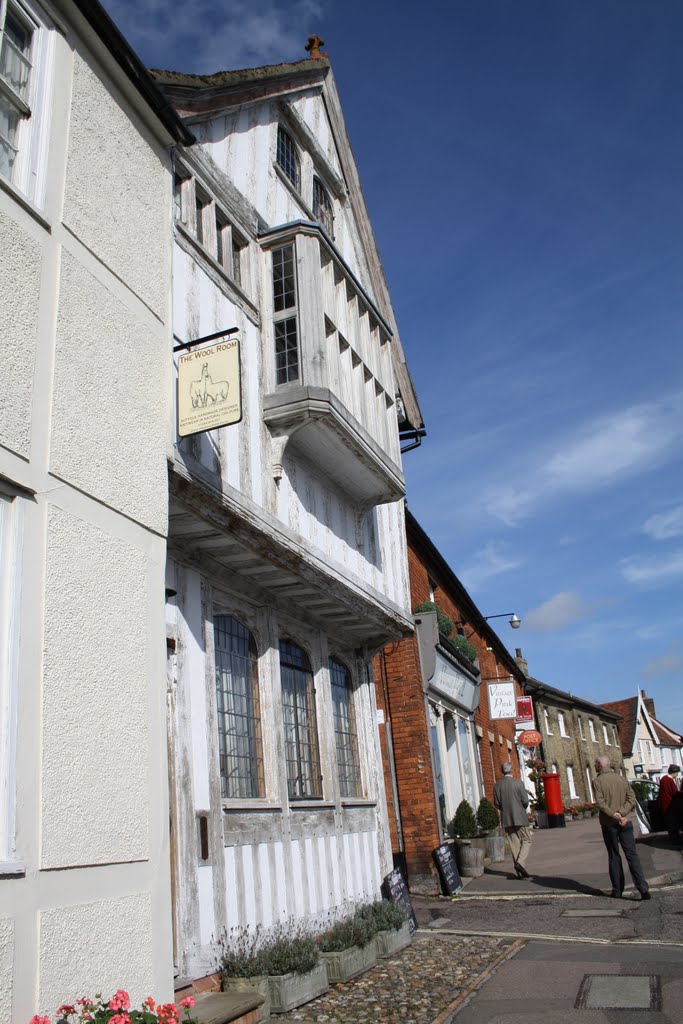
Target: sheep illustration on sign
(209, 394)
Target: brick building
(575, 732)
(439, 743)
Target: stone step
(224, 1007)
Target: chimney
(649, 704)
(522, 662)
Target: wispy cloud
(665, 525)
(669, 664)
(491, 560)
(651, 571)
(600, 453)
(202, 36)
(564, 609)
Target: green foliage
(352, 931)
(250, 956)
(487, 816)
(642, 790)
(384, 915)
(464, 646)
(464, 823)
(445, 624)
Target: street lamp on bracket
(514, 621)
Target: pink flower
(119, 1018)
(149, 1003)
(187, 1003)
(65, 1010)
(39, 1020)
(119, 1001)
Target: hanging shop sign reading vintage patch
(209, 388)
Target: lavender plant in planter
(286, 970)
(390, 924)
(347, 949)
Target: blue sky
(523, 167)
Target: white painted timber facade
(85, 271)
(286, 537)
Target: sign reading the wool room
(209, 388)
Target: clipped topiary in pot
(463, 824)
(444, 623)
(487, 816)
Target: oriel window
(287, 157)
(285, 316)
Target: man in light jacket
(512, 800)
(616, 800)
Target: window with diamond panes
(237, 702)
(287, 157)
(346, 736)
(322, 207)
(285, 315)
(301, 734)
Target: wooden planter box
(348, 963)
(290, 990)
(388, 943)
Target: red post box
(553, 800)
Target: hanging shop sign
(530, 738)
(449, 681)
(209, 388)
(525, 711)
(502, 699)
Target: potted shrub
(118, 1008)
(463, 827)
(285, 969)
(389, 921)
(568, 816)
(488, 822)
(347, 948)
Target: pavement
(553, 949)
(573, 954)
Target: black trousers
(616, 836)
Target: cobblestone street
(410, 987)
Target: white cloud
(599, 453)
(665, 525)
(202, 37)
(646, 571)
(669, 664)
(559, 611)
(491, 560)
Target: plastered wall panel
(20, 260)
(95, 762)
(6, 968)
(111, 386)
(96, 947)
(117, 197)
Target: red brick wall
(399, 691)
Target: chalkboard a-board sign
(395, 889)
(448, 869)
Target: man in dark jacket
(616, 800)
(512, 800)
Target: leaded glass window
(322, 207)
(287, 156)
(16, 43)
(239, 719)
(301, 734)
(346, 736)
(285, 315)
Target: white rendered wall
(84, 411)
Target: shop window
(301, 734)
(239, 716)
(346, 735)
